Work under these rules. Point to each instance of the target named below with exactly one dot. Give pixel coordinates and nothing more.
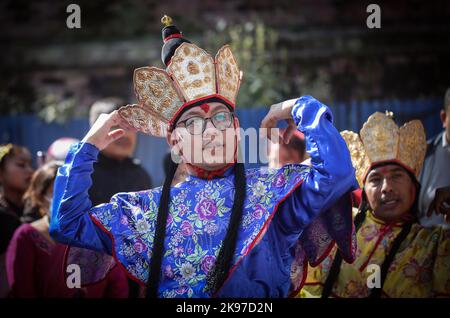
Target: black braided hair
(336, 265)
(376, 292)
(219, 273)
(160, 234)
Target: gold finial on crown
(389, 114)
(166, 20)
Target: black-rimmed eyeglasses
(196, 125)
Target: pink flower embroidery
(206, 209)
(258, 212)
(182, 208)
(168, 272)
(207, 263)
(186, 228)
(279, 180)
(178, 251)
(139, 246)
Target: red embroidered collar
(210, 174)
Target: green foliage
(262, 61)
(54, 109)
(16, 93)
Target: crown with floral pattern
(382, 141)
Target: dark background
(322, 47)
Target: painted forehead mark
(205, 107)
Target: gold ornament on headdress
(191, 75)
(166, 20)
(381, 140)
(4, 150)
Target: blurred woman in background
(15, 176)
(35, 264)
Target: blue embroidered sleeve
(332, 174)
(70, 222)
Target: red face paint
(205, 107)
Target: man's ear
(237, 125)
(171, 138)
(168, 137)
(443, 116)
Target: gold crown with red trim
(382, 141)
(192, 77)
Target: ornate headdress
(382, 141)
(192, 78)
(4, 150)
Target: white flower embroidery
(142, 226)
(136, 210)
(187, 271)
(259, 189)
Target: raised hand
(441, 203)
(277, 112)
(106, 129)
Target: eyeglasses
(197, 125)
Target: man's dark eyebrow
(195, 112)
(373, 174)
(392, 170)
(398, 169)
(220, 107)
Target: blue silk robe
(291, 216)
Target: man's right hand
(106, 129)
(279, 112)
(441, 203)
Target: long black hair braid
(160, 234)
(218, 275)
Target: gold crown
(381, 140)
(192, 76)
